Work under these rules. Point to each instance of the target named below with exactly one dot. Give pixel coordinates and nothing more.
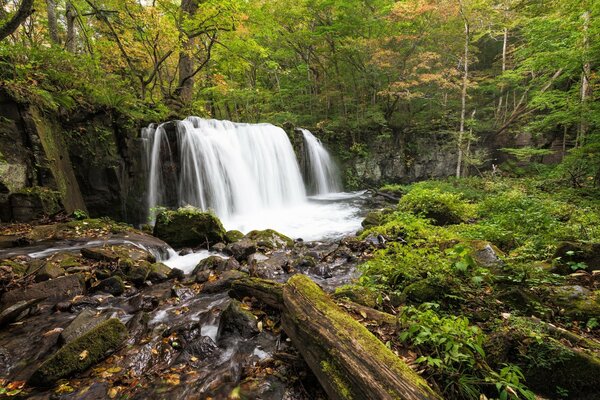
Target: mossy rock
(576, 301)
(374, 218)
(16, 268)
(81, 353)
(485, 254)
(159, 272)
(188, 227)
(233, 236)
(49, 271)
(215, 263)
(357, 294)
(576, 252)
(426, 290)
(269, 239)
(547, 363)
(137, 274)
(113, 285)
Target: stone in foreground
(81, 353)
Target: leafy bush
(451, 349)
(442, 208)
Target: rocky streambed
(90, 311)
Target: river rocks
(58, 289)
(15, 311)
(113, 285)
(49, 271)
(237, 321)
(160, 272)
(81, 353)
(224, 282)
(269, 267)
(126, 253)
(217, 264)
(269, 239)
(189, 227)
(242, 249)
(233, 236)
(137, 274)
(84, 322)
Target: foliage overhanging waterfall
(230, 168)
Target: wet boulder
(189, 227)
(224, 282)
(242, 249)
(84, 322)
(63, 288)
(235, 320)
(217, 264)
(159, 272)
(81, 353)
(16, 311)
(126, 253)
(113, 285)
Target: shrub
(442, 208)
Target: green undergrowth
(437, 272)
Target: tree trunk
(463, 99)
(348, 361)
(71, 16)
(52, 21)
(585, 83)
(186, 60)
(24, 11)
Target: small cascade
(231, 168)
(322, 175)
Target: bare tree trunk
(186, 60)
(24, 11)
(463, 97)
(52, 21)
(585, 83)
(71, 16)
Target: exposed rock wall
(92, 161)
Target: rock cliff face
(91, 162)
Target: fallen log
(265, 291)
(348, 361)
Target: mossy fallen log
(266, 291)
(348, 361)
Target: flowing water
(249, 176)
(323, 176)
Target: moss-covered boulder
(233, 236)
(49, 271)
(159, 272)
(81, 353)
(138, 273)
(189, 227)
(576, 302)
(269, 239)
(374, 218)
(485, 254)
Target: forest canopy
(465, 68)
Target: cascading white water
(323, 175)
(248, 174)
(228, 167)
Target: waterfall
(322, 173)
(231, 168)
